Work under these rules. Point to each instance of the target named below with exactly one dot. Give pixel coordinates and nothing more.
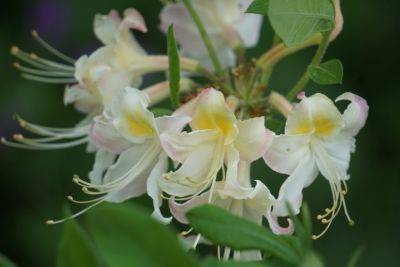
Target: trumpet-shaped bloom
(216, 137)
(130, 159)
(318, 138)
(225, 21)
(241, 199)
(113, 66)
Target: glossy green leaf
(174, 67)
(330, 72)
(4, 262)
(127, 236)
(76, 248)
(258, 7)
(211, 262)
(295, 21)
(223, 228)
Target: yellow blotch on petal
(139, 125)
(324, 126)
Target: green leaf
(355, 257)
(258, 7)
(295, 21)
(4, 262)
(129, 237)
(312, 260)
(75, 248)
(223, 228)
(159, 112)
(174, 67)
(330, 72)
(211, 262)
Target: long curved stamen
(68, 74)
(124, 179)
(48, 80)
(51, 49)
(44, 146)
(338, 188)
(52, 131)
(45, 70)
(52, 222)
(212, 174)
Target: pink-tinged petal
(196, 172)
(356, 113)
(81, 98)
(338, 21)
(286, 152)
(134, 20)
(253, 139)
(178, 210)
(237, 184)
(276, 228)
(103, 160)
(179, 146)
(153, 189)
(138, 185)
(171, 124)
(105, 26)
(291, 190)
(103, 135)
(333, 156)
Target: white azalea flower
(241, 199)
(216, 136)
(318, 138)
(130, 130)
(225, 21)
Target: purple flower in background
(50, 18)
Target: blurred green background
(33, 185)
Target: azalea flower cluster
(203, 151)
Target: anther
(34, 33)
(33, 55)
(70, 198)
(325, 221)
(49, 222)
(351, 223)
(14, 50)
(314, 237)
(18, 137)
(16, 65)
(319, 217)
(3, 140)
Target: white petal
(212, 113)
(106, 26)
(237, 183)
(172, 124)
(356, 113)
(291, 190)
(316, 115)
(258, 203)
(179, 146)
(104, 135)
(131, 117)
(178, 210)
(253, 139)
(153, 189)
(286, 152)
(333, 156)
(126, 161)
(195, 173)
(103, 160)
(82, 99)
